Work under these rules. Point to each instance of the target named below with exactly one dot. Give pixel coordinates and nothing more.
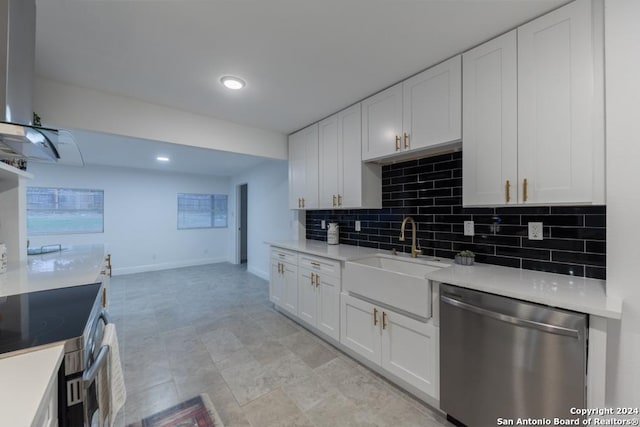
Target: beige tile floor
(211, 329)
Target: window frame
(58, 188)
(213, 211)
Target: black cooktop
(45, 317)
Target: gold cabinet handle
(103, 272)
(508, 191)
(406, 140)
(375, 316)
(313, 280)
(303, 202)
(397, 143)
(525, 184)
(104, 297)
(317, 280)
(334, 201)
(299, 202)
(384, 320)
(339, 200)
(279, 268)
(315, 264)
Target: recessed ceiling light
(231, 82)
(162, 159)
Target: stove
(42, 318)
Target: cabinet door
(328, 305)
(360, 327)
(432, 110)
(490, 142)
(297, 176)
(329, 162)
(275, 283)
(410, 351)
(290, 289)
(555, 106)
(307, 296)
(382, 123)
(350, 159)
(311, 184)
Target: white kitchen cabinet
(283, 283)
(432, 106)
(319, 294)
(360, 327)
(382, 123)
(402, 346)
(303, 168)
(410, 351)
(47, 415)
(421, 112)
(558, 116)
(490, 130)
(533, 113)
(345, 181)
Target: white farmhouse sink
(397, 282)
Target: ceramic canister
(333, 233)
(3, 258)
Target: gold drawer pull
(508, 191)
(375, 316)
(313, 282)
(397, 143)
(525, 184)
(334, 201)
(315, 264)
(104, 297)
(339, 200)
(406, 140)
(317, 280)
(384, 320)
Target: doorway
(242, 222)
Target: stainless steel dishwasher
(505, 358)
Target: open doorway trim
(238, 225)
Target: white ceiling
(111, 150)
(302, 59)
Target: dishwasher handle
(553, 329)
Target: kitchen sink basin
(394, 281)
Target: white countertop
(337, 252)
(25, 380)
(557, 290)
(75, 265)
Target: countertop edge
(610, 308)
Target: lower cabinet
(283, 283)
(319, 294)
(401, 345)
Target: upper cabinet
(420, 113)
(303, 168)
(533, 115)
(490, 129)
(345, 181)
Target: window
(64, 211)
(202, 211)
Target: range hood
(19, 139)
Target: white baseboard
(260, 273)
(167, 265)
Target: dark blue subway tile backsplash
(430, 190)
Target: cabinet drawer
(326, 266)
(284, 255)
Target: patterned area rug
(195, 412)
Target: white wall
(140, 218)
(269, 217)
(622, 41)
(69, 106)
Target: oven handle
(89, 375)
(91, 340)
